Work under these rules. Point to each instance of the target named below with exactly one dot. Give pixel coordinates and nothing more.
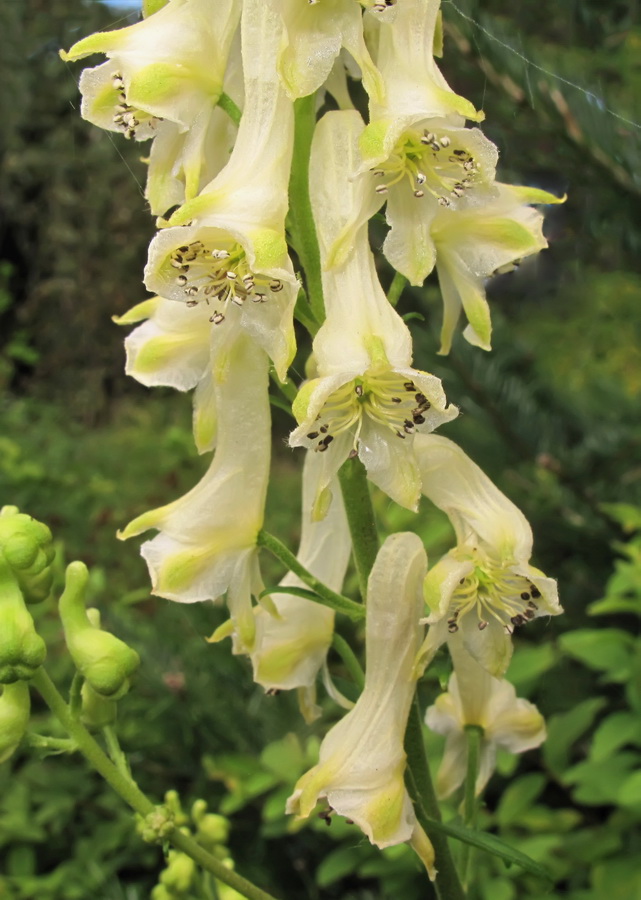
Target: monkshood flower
(313, 35)
(206, 544)
(226, 248)
(416, 144)
(293, 635)
(485, 587)
(162, 80)
(474, 697)
(174, 347)
(476, 241)
(362, 760)
(367, 398)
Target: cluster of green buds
(181, 879)
(26, 554)
(227, 91)
(104, 663)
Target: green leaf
(565, 728)
(284, 758)
(529, 663)
(490, 843)
(614, 732)
(519, 797)
(499, 889)
(618, 879)
(605, 649)
(601, 783)
(628, 516)
(337, 865)
(630, 791)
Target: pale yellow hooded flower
(314, 31)
(226, 248)
(162, 80)
(475, 241)
(485, 587)
(293, 634)
(206, 544)
(416, 144)
(367, 398)
(474, 697)
(362, 761)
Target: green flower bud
(156, 826)
(172, 802)
(27, 547)
(15, 705)
(179, 872)
(212, 829)
(160, 892)
(225, 892)
(104, 660)
(22, 650)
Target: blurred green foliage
(551, 414)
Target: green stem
(56, 745)
(303, 315)
(349, 658)
(474, 735)
(325, 595)
(131, 793)
(233, 111)
(360, 517)
(421, 789)
(287, 388)
(114, 749)
(303, 230)
(75, 695)
(396, 288)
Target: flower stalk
(360, 518)
(324, 594)
(474, 736)
(421, 789)
(302, 227)
(129, 791)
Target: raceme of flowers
(225, 294)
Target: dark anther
(525, 596)
(312, 435)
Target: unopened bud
(225, 892)
(179, 872)
(212, 829)
(27, 547)
(156, 826)
(105, 661)
(172, 802)
(15, 705)
(160, 892)
(22, 650)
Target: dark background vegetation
(552, 414)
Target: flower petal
(206, 534)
